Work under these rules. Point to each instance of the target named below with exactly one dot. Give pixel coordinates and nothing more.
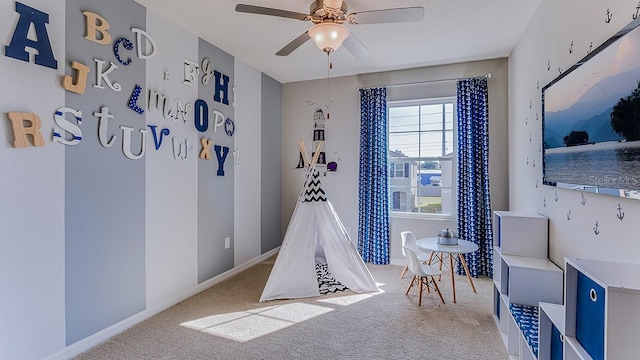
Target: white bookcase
(602, 310)
(523, 277)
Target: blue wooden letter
(158, 142)
(221, 158)
(201, 115)
(221, 87)
(19, 41)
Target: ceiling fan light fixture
(328, 36)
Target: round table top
(431, 244)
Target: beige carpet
(228, 322)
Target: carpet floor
(227, 322)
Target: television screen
(591, 120)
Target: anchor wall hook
(595, 228)
(556, 196)
(559, 70)
(571, 48)
(569, 215)
(538, 86)
(544, 202)
(590, 48)
(635, 16)
(548, 65)
(583, 201)
(609, 16)
(620, 214)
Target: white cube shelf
(602, 309)
(551, 332)
(532, 280)
(521, 234)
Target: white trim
(105, 334)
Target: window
(422, 155)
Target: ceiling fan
(328, 17)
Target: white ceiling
(452, 31)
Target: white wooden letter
(139, 35)
(126, 142)
(103, 124)
(104, 75)
(66, 125)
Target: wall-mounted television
(591, 120)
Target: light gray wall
(542, 50)
(301, 99)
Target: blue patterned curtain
(474, 203)
(373, 216)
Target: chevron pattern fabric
(313, 191)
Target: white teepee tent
(315, 235)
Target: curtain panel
(474, 201)
(373, 190)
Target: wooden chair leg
(404, 271)
(410, 285)
(420, 295)
(435, 284)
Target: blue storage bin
(557, 344)
(590, 300)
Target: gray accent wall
(270, 149)
(104, 190)
(215, 193)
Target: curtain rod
(488, 76)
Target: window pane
(448, 116)
(401, 145)
(431, 144)
(403, 119)
(431, 117)
(448, 142)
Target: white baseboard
(104, 335)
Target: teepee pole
(316, 154)
(303, 151)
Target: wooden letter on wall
(96, 24)
(20, 132)
(206, 149)
(80, 85)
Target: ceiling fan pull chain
(329, 67)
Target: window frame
(453, 158)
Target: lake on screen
(607, 164)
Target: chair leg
(420, 295)
(404, 271)
(410, 285)
(435, 284)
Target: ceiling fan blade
(409, 14)
(356, 47)
(251, 9)
(296, 43)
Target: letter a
(20, 132)
(96, 24)
(16, 49)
